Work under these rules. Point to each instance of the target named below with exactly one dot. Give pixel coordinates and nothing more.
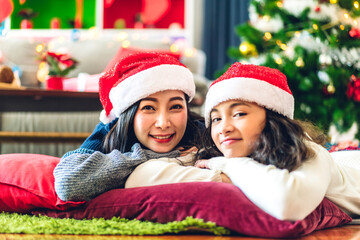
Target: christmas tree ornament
(331, 89)
(323, 77)
(247, 49)
(354, 33)
(300, 62)
(325, 60)
(353, 91)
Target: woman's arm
(83, 174)
(283, 194)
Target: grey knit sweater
(87, 172)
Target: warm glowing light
(356, 4)
(122, 36)
(342, 27)
(283, 46)
(267, 36)
(279, 61)
(299, 62)
(189, 52)
(333, 1)
(355, 23)
(243, 48)
(39, 48)
(331, 89)
(125, 44)
(266, 18)
(315, 27)
(346, 15)
(279, 4)
(42, 65)
(297, 33)
(174, 48)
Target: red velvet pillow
(222, 203)
(123, 52)
(27, 182)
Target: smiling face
(235, 126)
(160, 121)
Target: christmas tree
(316, 44)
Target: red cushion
(27, 182)
(222, 203)
(123, 52)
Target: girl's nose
(162, 121)
(226, 126)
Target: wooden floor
(346, 232)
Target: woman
(145, 116)
(279, 163)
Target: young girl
(145, 116)
(278, 162)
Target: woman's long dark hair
(122, 136)
(281, 143)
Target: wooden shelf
(40, 100)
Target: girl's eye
(240, 114)
(177, 106)
(148, 108)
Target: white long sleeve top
(293, 195)
(170, 170)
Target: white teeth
(162, 137)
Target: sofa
(94, 55)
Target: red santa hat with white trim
(258, 84)
(138, 76)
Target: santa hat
(138, 76)
(262, 85)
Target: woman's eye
(147, 107)
(215, 119)
(177, 106)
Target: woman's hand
(202, 164)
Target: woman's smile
(163, 138)
(161, 119)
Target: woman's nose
(162, 121)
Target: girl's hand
(188, 151)
(225, 178)
(202, 164)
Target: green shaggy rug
(28, 224)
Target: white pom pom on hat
(262, 85)
(138, 76)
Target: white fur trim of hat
(262, 85)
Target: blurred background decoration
(316, 44)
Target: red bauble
(317, 9)
(353, 91)
(354, 33)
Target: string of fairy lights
(122, 38)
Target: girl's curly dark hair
(282, 143)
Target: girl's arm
(83, 174)
(170, 170)
(283, 194)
